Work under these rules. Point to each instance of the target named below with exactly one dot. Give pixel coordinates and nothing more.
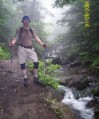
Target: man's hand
(44, 45)
(10, 44)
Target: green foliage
(48, 78)
(4, 52)
(61, 3)
(85, 56)
(30, 65)
(11, 13)
(95, 64)
(53, 103)
(87, 39)
(92, 59)
(5, 14)
(50, 69)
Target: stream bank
(35, 101)
(81, 90)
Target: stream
(80, 105)
(77, 104)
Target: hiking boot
(37, 81)
(26, 82)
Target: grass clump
(48, 78)
(4, 52)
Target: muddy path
(18, 102)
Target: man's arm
(14, 40)
(39, 41)
(12, 43)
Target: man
(24, 35)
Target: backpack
(21, 32)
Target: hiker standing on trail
(24, 35)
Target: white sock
(35, 75)
(25, 76)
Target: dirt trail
(18, 102)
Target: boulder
(60, 61)
(56, 61)
(78, 81)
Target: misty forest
(68, 68)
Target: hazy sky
(57, 13)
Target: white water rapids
(78, 104)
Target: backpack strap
(20, 33)
(31, 31)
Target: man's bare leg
(35, 72)
(24, 71)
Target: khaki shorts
(26, 54)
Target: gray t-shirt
(25, 36)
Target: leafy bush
(4, 52)
(95, 64)
(93, 59)
(48, 78)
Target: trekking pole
(12, 69)
(11, 54)
(44, 58)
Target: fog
(48, 14)
(56, 15)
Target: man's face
(26, 23)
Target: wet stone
(4, 73)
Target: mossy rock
(95, 91)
